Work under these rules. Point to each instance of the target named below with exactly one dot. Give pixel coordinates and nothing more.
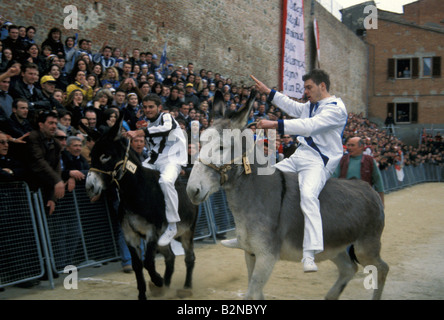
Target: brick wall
(234, 37)
(394, 40)
(425, 12)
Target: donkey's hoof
(184, 293)
(155, 290)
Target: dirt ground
(412, 245)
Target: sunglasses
(61, 137)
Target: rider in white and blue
(319, 125)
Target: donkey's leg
(383, 270)
(138, 270)
(133, 242)
(170, 258)
(367, 254)
(261, 273)
(149, 263)
(190, 258)
(347, 269)
(250, 260)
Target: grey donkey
(269, 221)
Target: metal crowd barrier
(83, 234)
(21, 255)
(412, 175)
(78, 233)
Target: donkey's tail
(351, 253)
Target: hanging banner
(318, 48)
(293, 48)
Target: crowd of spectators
(388, 150)
(80, 85)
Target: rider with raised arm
(318, 126)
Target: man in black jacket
(14, 43)
(19, 118)
(26, 88)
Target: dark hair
(64, 112)
(153, 97)
(66, 41)
(108, 112)
(16, 101)
(318, 76)
(12, 26)
(44, 115)
(29, 65)
(30, 28)
(54, 30)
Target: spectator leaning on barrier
(75, 166)
(44, 160)
(357, 165)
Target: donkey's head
(222, 148)
(106, 158)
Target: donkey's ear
(95, 135)
(219, 106)
(240, 118)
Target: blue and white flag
(163, 58)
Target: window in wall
(404, 112)
(427, 67)
(405, 68)
(436, 67)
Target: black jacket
(69, 162)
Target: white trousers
(168, 176)
(312, 177)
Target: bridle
(223, 169)
(120, 168)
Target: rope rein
(125, 164)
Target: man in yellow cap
(48, 84)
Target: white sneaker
(168, 235)
(309, 265)
(231, 243)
